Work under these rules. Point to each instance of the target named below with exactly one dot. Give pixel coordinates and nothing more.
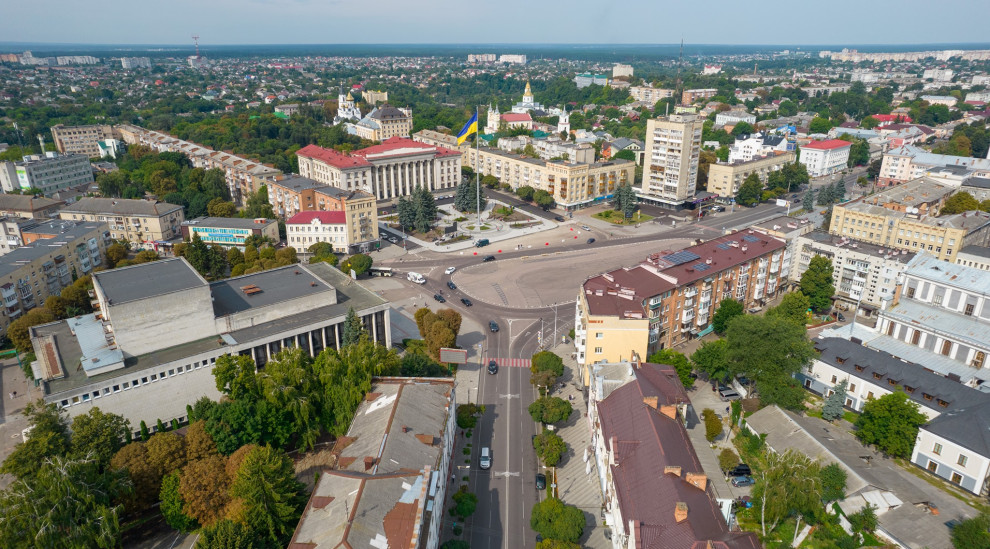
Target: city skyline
(449, 22)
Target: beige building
(374, 97)
(383, 123)
(690, 96)
(906, 217)
(145, 223)
(23, 205)
(82, 140)
(33, 272)
(438, 139)
(572, 184)
(910, 162)
(670, 167)
(295, 194)
(725, 179)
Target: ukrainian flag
(468, 129)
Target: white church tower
(564, 121)
(347, 108)
(494, 119)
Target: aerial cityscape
(430, 289)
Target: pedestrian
(15, 394)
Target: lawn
(616, 218)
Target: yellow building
(906, 217)
(725, 179)
(82, 139)
(145, 223)
(374, 97)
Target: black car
(840, 316)
(558, 218)
(492, 325)
(591, 241)
(439, 298)
(492, 367)
(741, 470)
(451, 285)
(489, 258)
(466, 302)
(740, 482)
(541, 481)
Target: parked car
(449, 270)
(489, 258)
(840, 316)
(558, 218)
(466, 302)
(585, 227)
(741, 470)
(492, 325)
(541, 481)
(492, 367)
(439, 298)
(451, 285)
(591, 241)
(485, 460)
(729, 394)
(739, 482)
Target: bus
(380, 271)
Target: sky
(798, 22)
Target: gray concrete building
(50, 173)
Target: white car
(449, 270)
(585, 227)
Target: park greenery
(553, 519)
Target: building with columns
(389, 170)
(117, 359)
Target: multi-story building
(135, 62)
(671, 297)
(481, 58)
(906, 218)
(908, 162)
(82, 140)
(293, 194)
(229, 232)
(587, 79)
(620, 69)
(572, 185)
(938, 75)
(550, 148)
(145, 223)
(389, 482)
(670, 166)
(788, 229)
(374, 97)
(947, 100)
(307, 228)
(750, 146)
(690, 96)
(654, 489)
(244, 176)
(725, 179)
(34, 207)
(512, 58)
(649, 94)
(33, 272)
(825, 157)
(50, 173)
(12, 232)
(288, 109)
(974, 256)
(392, 169)
(383, 123)
(436, 139)
(863, 274)
(951, 444)
(733, 117)
(118, 360)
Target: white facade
(50, 173)
(820, 162)
(957, 464)
(670, 166)
(975, 257)
(303, 235)
(938, 75)
(748, 147)
(621, 70)
(650, 94)
(733, 117)
(512, 58)
(135, 62)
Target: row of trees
(418, 212)
(540, 197)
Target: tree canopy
(890, 423)
(727, 310)
(555, 520)
(678, 361)
(816, 283)
(770, 350)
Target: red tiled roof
(517, 117)
(398, 143)
(891, 117)
(828, 144)
(332, 157)
(336, 217)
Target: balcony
(688, 316)
(691, 292)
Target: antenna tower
(680, 61)
(195, 38)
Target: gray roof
(967, 427)
(978, 182)
(967, 221)
(25, 203)
(277, 285)
(935, 362)
(228, 222)
(121, 206)
(298, 183)
(146, 280)
(928, 267)
(965, 328)
(23, 255)
(978, 251)
(823, 237)
(387, 112)
(336, 192)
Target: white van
(416, 277)
(485, 461)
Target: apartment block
(33, 272)
(82, 140)
(49, 173)
(825, 157)
(436, 139)
(670, 298)
(118, 360)
(974, 256)
(729, 118)
(690, 96)
(649, 94)
(750, 146)
(229, 232)
(573, 185)
(23, 205)
(12, 232)
(135, 62)
(725, 179)
(906, 218)
(392, 169)
(670, 166)
(147, 224)
(909, 162)
(293, 194)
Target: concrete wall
(974, 473)
(260, 315)
(150, 324)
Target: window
(962, 460)
(932, 466)
(937, 449)
(859, 368)
(599, 335)
(891, 382)
(946, 347)
(908, 389)
(956, 478)
(116, 388)
(598, 350)
(943, 403)
(869, 396)
(877, 376)
(927, 396)
(915, 337)
(979, 359)
(834, 380)
(969, 309)
(154, 377)
(171, 372)
(910, 292)
(144, 380)
(852, 388)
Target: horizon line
(528, 44)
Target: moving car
(558, 218)
(739, 482)
(449, 270)
(466, 302)
(492, 325)
(591, 241)
(481, 242)
(439, 298)
(451, 285)
(541, 481)
(489, 258)
(485, 461)
(585, 227)
(492, 367)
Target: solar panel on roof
(682, 257)
(723, 246)
(702, 267)
(750, 238)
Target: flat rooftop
(155, 278)
(822, 237)
(68, 235)
(270, 287)
(229, 222)
(784, 224)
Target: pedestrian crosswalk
(508, 362)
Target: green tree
(320, 250)
(489, 181)
(787, 484)
(552, 519)
(890, 423)
(727, 459)
(770, 350)
(543, 199)
(272, 498)
(172, 504)
(219, 207)
(525, 193)
(625, 200)
(236, 377)
(864, 520)
(466, 197)
(820, 124)
(834, 403)
(859, 153)
(958, 203)
(751, 191)
(465, 503)
(869, 123)
(547, 361)
(257, 205)
(361, 263)
(549, 410)
(556, 544)
(406, 212)
(19, 330)
(353, 328)
(712, 358)
(549, 447)
(426, 209)
(115, 253)
(816, 283)
(676, 359)
(48, 438)
(833, 481)
(973, 533)
(727, 310)
(742, 128)
(199, 443)
(713, 425)
(67, 504)
(228, 534)
(166, 452)
(98, 436)
(132, 460)
(808, 202)
(793, 307)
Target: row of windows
(962, 460)
(136, 382)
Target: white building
(587, 79)
(733, 117)
(750, 146)
(938, 75)
(512, 58)
(135, 62)
(977, 257)
(711, 69)
(649, 94)
(946, 100)
(909, 162)
(307, 228)
(347, 109)
(481, 58)
(825, 157)
(670, 166)
(621, 70)
(50, 173)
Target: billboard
(782, 203)
(453, 356)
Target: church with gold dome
(347, 109)
(528, 103)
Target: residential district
(495, 300)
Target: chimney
(698, 480)
(652, 402)
(680, 512)
(669, 411)
(672, 470)
(369, 462)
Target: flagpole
(477, 161)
